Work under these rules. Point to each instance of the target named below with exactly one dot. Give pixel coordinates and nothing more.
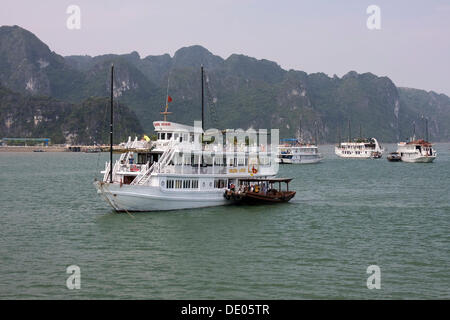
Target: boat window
(194, 160)
(169, 136)
(178, 184)
(178, 159)
(207, 159)
(142, 158)
(175, 136)
(163, 136)
(195, 184)
(220, 183)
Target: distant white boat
(298, 153)
(416, 151)
(360, 148)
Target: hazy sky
(412, 47)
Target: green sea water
(346, 216)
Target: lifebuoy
(254, 170)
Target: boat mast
(165, 112)
(339, 135)
(203, 106)
(111, 127)
(300, 134)
(316, 129)
(414, 131)
(349, 132)
(426, 129)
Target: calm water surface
(347, 215)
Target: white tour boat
(179, 170)
(359, 148)
(294, 152)
(416, 151)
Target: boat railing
(145, 172)
(143, 177)
(165, 159)
(108, 168)
(115, 169)
(106, 175)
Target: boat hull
(421, 159)
(301, 160)
(261, 198)
(149, 198)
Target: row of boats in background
(292, 151)
(415, 150)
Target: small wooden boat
(376, 155)
(93, 150)
(260, 191)
(394, 157)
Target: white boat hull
(420, 159)
(150, 198)
(300, 160)
(353, 156)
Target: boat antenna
(111, 126)
(349, 132)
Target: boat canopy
(420, 142)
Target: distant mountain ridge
(25, 116)
(241, 91)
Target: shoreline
(52, 148)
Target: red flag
(169, 99)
